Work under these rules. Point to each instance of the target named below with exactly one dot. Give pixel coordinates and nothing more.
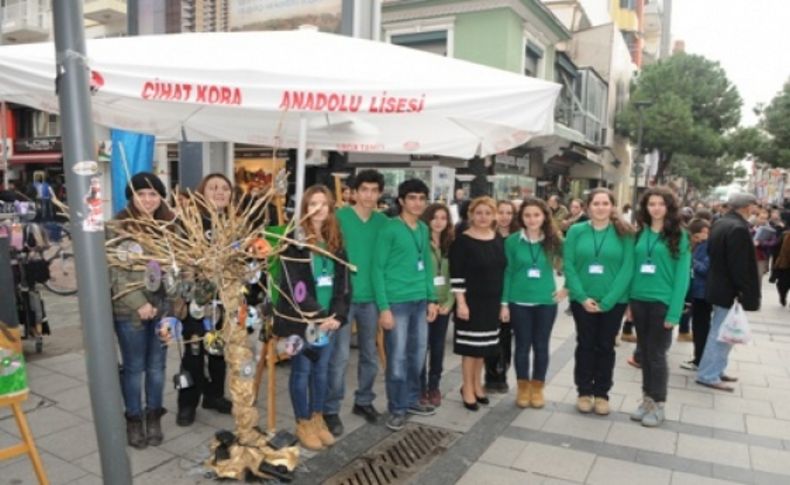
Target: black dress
(478, 268)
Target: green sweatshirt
(359, 238)
(522, 283)
(402, 264)
(441, 265)
(659, 277)
(598, 265)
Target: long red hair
(330, 229)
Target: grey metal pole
(92, 277)
(301, 155)
(132, 18)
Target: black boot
(219, 404)
(185, 416)
(135, 434)
(153, 426)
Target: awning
(35, 158)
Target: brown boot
(524, 393)
(536, 399)
(321, 430)
(307, 436)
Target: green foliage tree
(705, 173)
(776, 122)
(692, 104)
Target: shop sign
(38, 145)
(285, 14)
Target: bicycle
(60, 258)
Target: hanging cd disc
(153, 276)
(196, 311)
(187, 290)
(253, 274)
(253, 317)
(170, 282)
(290, 345)
(311, 333)
(170, 328)
(247, 369)
(203, 292)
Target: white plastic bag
(735, 327)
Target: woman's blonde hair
(484, 200)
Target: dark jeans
(701, 312)
(406, 345)
(532, 328)
(628, 327)
(432, 370)
(141, 352)
(685, 320)
(498, 364)
(194, 362)
(595, 335)
(653, 341)
(309, 383)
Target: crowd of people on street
(499, 272)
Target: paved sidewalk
(710, 437)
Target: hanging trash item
(170, 328)
(253, 274)
(203, 292)
(291, 345)
(153, 276)
(196, 311)
(13, 374)
(214, 343)
(170, 283)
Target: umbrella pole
(301, 155)
(88, 236)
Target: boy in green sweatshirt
(405, 295)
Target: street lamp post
(639, 158)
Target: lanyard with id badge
(323, 279)
(420, 247)
(596, 267)
(533, 272)
(648, 267)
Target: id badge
(648, 268)
(595, 268)
(324, 281)
(439, 281)
(533, 273)
(420, 265)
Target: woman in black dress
(477, 267)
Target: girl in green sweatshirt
(598, 263)
(530, 296)
(662, 262)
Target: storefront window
(513, 186)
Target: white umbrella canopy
(257, 87)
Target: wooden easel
(27, 445)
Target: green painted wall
(492, 38)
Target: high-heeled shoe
(470, 406)
(483, 400)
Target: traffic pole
(82, 181)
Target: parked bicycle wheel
(62, 277)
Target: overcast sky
(750, 38)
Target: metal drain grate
(397, 457)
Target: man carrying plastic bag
(732, 282)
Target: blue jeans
(366, 315)
(714, 357)
(432, 370)
(532, 328)
(308, 383)
(141, 351)
(406, 346)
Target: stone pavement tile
(532, 418)
(503, 452)
(781, 409)
(678, 380)
(675, 463)
(43, 422)
(635, 435)
(765, 393)
(555, 462)
(53, 383)
(741, 353)
(744, 406)
(73, 368)
(34, 371)
(562, 379)
(74, 399)
(141, 460)
(32, 402)
(769, 460)
(485, 473)
(452, 415)
(713, 418)
(628, 374)
(775, 382)
(89, 479)
(589, 427)
(775, 428)
(58, 471)
(556, 393)
(607, 471)
(70, 443)
(712, 450)
(768, 370)
(175, 472)
(54, 362)
(194, 436)
(682, 478)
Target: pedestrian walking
(598, 263)
(135, 315)
(662, 260)
(360, 225)
(780, 273)
(403, 284)
(497, 365)
(732, 276)
(530, 296)
(437, 217)
(314, 283)
(699, 229)
(477, 266)
(217, 191)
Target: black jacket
(294, 272)
(733, 264)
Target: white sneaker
(690, 365)
(655, 416)
(642, 410)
